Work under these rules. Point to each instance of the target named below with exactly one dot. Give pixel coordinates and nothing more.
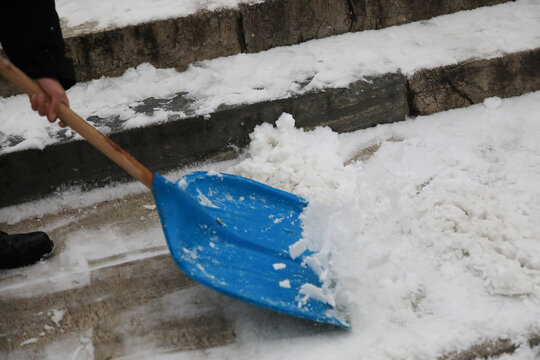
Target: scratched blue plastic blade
(230, 233)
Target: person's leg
(18, 250)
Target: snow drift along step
(383, 99)
(178, 42)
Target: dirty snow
(57, 316)
(285, 71)
(29, 341)
(433, 236)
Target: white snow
(105, 14)
(492, 102)
(285, 71)
(57, 316)
(285, 284)
(203, 200)
(279, 266)
(317, 293)
(433, 238)
(297, 248)
(29, 341)
(523, 352)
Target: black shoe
(23, 249)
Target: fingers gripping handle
(78, 124)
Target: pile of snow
(434, 238)
(430, 227)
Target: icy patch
(279, 266)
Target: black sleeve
(32, 39)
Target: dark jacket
(31, 37)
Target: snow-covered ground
(286, 71)
(433, 225)
(104, 14)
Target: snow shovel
(226, 232)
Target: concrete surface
(179, 142)
(179, 42)
(126, 307)
(132, 307)
(182, 141)
(470, 82)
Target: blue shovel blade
(233, 234)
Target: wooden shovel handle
(87, 131)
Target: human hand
(48, 105)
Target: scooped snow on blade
(233, 235)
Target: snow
(29, 341)
(523, 352)
(433, 237)
(492, 102)
(104, 14)
(286, 71)
(57, 316)
(285, 284)
(203, 200)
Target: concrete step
(112, 301)
(207, 112)
(135, 303)
(386, 98)
(249, 28)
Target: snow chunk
(317, 293)
(285, 284)
(29, 341)
(492, 102)
(56, 316)
(508, 279)
(297, 248)
(214, 173)
(182, 184)
(203, 200)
